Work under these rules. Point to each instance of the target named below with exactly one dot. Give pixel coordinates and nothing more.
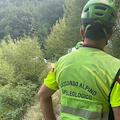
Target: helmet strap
(104, 30)
(96, 21)
(86, 28)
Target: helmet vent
(100, 8)
(87, 10)
(99, 14)
(113, 14)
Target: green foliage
(55, 44)
(29, 17)
(22, 69)
(6, 71)
(50, 11)
(72, 12)
(66, 33)
(17, 20)
(113, 47)
(26, 58)
(15, 100)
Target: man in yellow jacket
(88, 78)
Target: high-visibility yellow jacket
(84, 78)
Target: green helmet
(78, 45)
(103, 11)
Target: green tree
(17, 21)
(22, 69)
(6, 71)
(26, 57)
(14, 101)
(66, 33)
(55, 44)
(29, 17)
(51, 10)
(113, 47)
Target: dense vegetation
(24, 25)
(29, 17)
(31, 30)
(22, 71)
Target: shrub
(14, 101)
(26, 58)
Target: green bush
(14, 101)
(26, 58)
(6, 71)
(22, 70)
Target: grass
(34, 112)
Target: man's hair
(97, 31)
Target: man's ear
(110, 34)
(82, 33)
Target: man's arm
(116, 111)
(45, 99)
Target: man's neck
(100, 43)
